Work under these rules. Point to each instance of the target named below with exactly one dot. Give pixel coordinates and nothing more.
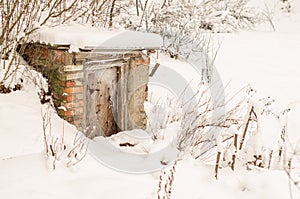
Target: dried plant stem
(165, 185)
(246, 126)
(234, 154)
(280, 153)
(289, 168)
(111, 13)
(159, 186)
(46, 121)
(270, 159)
(217, 164)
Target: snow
(80, 36)
(266, 60)
(244, 55)
(26, 176)
(18, 114)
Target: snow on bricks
(65, 74)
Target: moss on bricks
(61, 113)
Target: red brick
(69, 105)
(142, 62)
(59, 56)
(71, 90)
(70, 98)
(44, 53)
(70, 83)
(74, 104)
(69, 113)
(68, 90)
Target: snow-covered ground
(266, 60)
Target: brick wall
(73, 94)
(64, 72)
(63, 75)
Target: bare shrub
(204, 121)
(217, 164)
(57, 149)
(78, 150)
(163, 113)
(269, 13)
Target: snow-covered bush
(210, 15)
(200, 118)
(182, 23)
(257, 138)
(245, 132)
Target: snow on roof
(80, 36)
